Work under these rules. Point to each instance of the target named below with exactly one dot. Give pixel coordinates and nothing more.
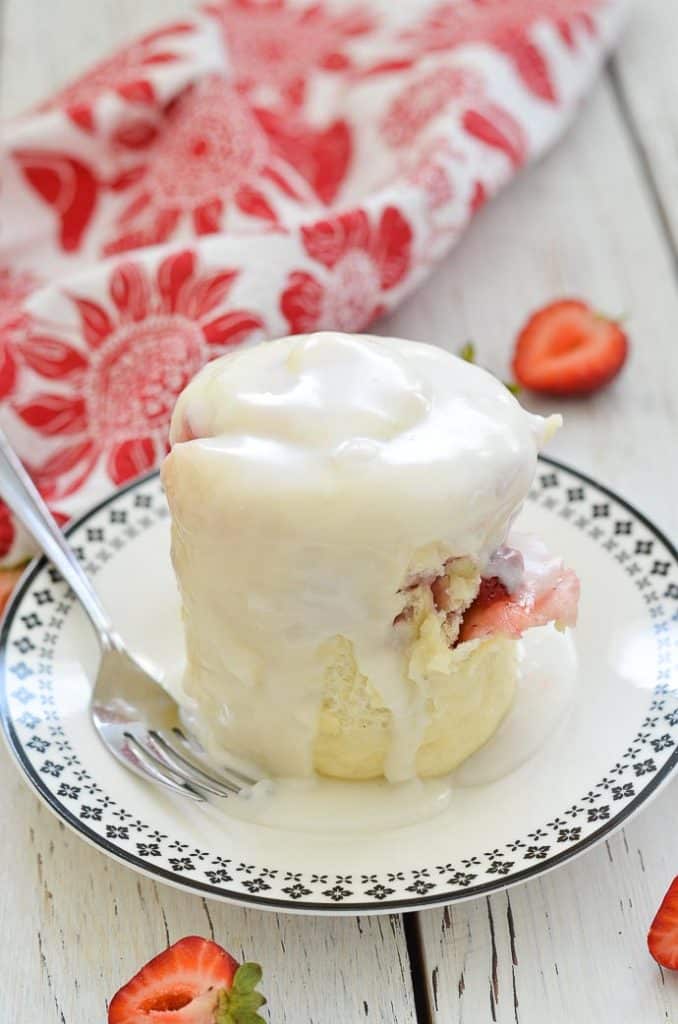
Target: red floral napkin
(258, 169)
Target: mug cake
(353, 594)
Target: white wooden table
(598, 218)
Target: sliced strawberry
(195, 981)
(568, 349)
(491, 590)
(662, 939)
(496, 611)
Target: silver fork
(133, 715)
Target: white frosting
(508, 565)
(318, 471)
(547, 690)
(541, 569)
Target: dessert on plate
(353, 596)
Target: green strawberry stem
(620, 318)
(468, 352)
(240, 1004)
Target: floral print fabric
(265, 167)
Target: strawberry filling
(524, 586)
(495, 610)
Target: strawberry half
(195, 981)
(662, 939)
(567, 348)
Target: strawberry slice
(662, 939)
(195, 981)
(496, 611)
(567, 348)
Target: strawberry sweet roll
(353, 598)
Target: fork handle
(21, 495)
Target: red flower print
(506, 25)
(431, 174)
(6, 531)
(212, 154)
(274, 46)
(67, 185)
(125, 73)
(423, 100)
(361, 262)
(115, 389)
(321, 156)
(14, 288)
(7, 368)
(496, 128)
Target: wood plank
(570, 947)
(78, 925)
(46, 44)
(581, 223)
(647, 88)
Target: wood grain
(46, 44)
(650, 102)
(76, 925)
(571, 947)
(567, 947)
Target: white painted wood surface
(598, 218)
(76, 925)
(588, 221)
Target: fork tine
(198, 761)
(159, 772)
(190, 771)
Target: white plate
(606, 759)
